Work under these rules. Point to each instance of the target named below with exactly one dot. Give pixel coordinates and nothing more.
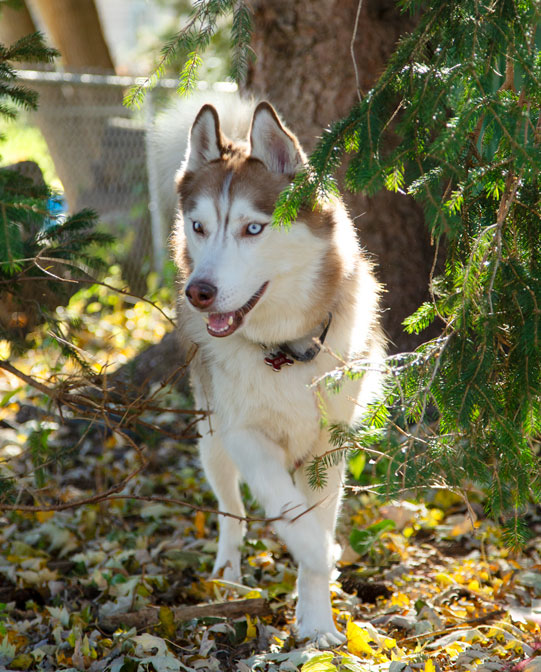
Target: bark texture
(305, 67)
(15, 23)
(75, 30)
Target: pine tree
(459, 103)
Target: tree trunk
(304, 65)
(15, 23)
(75, 29)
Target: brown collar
(288, 353)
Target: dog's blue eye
(197, 227)
(253, 229)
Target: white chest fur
(243, 392)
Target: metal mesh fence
(105, 158)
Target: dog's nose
(201, 294)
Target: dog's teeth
(230, 320)
(205, 319)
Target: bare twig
(111, 495)
(93, 281)
(511, 187)
(352, 50)
(468, 623)
(99, 497)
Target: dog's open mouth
(224, 324)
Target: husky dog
(259, 301)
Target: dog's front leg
(223, 476)
(314, 600)
(262, 465)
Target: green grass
(24, 142)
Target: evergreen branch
(193, 38)
(29, 48)
(188, 75)
(241, 32)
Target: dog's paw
(329, 640)
(229, 570)
(324, 638)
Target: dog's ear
(205, 142)
(272, 144)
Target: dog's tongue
(223, 324)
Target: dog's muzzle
(201, 295)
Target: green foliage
(356, 464)
(41, 454)
(364, 541)
(194, 39)
(455, 122)
(13, 94)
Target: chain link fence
(106, 159)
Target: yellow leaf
(464, 526)
(22, 662)
(358, 640)
(320, 663)
(444, 579)
(199, 524)
(429, 666)
(252, 594)
(16, 638)
(167, 623)
(43, 516)
(389, 643)
(400, 600)
(251, 630)
(445, 499)
(435, 516)
(455, 648)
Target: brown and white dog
(256, 299)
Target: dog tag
(278, 360)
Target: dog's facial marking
(224, 204)
(220, 221)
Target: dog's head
(240, 270)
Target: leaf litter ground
(434, 589)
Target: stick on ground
(151, 615)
